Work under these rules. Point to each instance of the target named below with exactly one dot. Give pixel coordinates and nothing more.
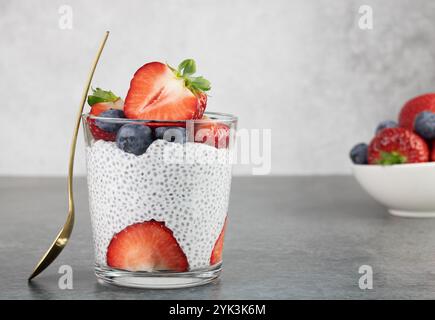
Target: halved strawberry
(212, 133)
(202, 105)
(216, 255)
(101, 101)
(147, 246)
(159, 92)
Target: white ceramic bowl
(407, 190)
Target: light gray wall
(302, 68)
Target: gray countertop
(287, 238)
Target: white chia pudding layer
(189, 195)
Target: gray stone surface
(288, 237)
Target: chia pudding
(191, 198)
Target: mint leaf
(390, 158)
(187, 67)
(99, 95)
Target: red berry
(397, 145)
(216, 255)
(202, 105)
(213, 134)
(100, 134)
(146, 246)
(413, 107)
(157, 93)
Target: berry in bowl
(396, 168)
(159, 177)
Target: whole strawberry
(413, 107)
(396, 146)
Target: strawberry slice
(100, 134)
(147, 246)
(160, 92)
(216, 255)
(101, 101)
(202, 105)
(212, 133)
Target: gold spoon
(63, 236)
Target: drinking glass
(158, 198)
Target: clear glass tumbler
(158, 197)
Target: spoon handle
(64, 234)
(77, 125)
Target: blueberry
(171, 134)
(110, 126)
(358, 154)
(134, 138)
(424, 125)
(386, 124)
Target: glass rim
(214, 117)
